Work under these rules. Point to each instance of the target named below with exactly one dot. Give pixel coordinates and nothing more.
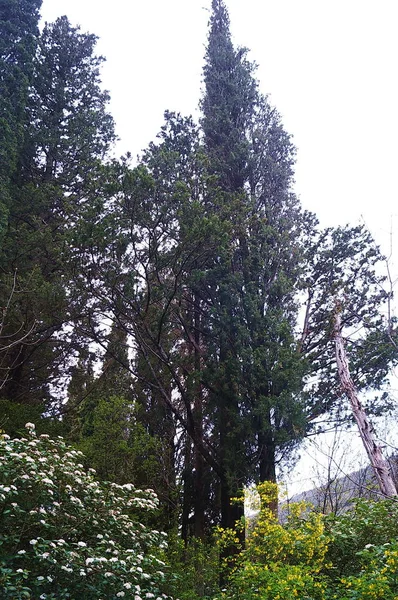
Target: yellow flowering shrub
(301, 540)
(280, 561)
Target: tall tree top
(219, 21)
(19, 30)
(228, 103)
(18, 38)
(70, 125)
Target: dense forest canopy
(174, 319)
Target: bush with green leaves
(362, 557)
(378, 576)
(367, 523)
(64, 535)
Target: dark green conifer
(252, 362)
(18, 39)
(66, 134)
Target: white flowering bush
(63, 534)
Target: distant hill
(338, 494)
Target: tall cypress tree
(205, 285)
(252, 359)
(228, 105)
(67, 132)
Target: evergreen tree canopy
(67, 132)
(167, 298)
(201, 256)
(18, 39)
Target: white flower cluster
(72, 532)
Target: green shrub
(378, 578)
(368, 523)
(65, 535)
(195, 568)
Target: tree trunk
(366, 430)
(231, 514)
(267, 467)
(186, 532)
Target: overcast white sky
(329, 67)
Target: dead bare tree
(365, 427)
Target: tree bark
(200, 499)
(365, 427)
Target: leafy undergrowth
(63, 534)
